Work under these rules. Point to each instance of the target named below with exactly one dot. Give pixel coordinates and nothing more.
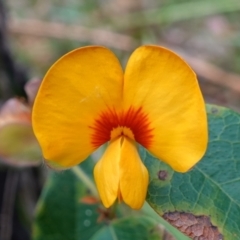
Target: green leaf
(130, 228)
(60, 214)
(211, 190)
(148, 211)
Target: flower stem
(86, 180)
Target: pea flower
(85, 100)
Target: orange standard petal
(76, 89)
(166, 88)
(121, 174)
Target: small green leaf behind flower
(18, 145)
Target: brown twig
(214, 73)
(33, 27)
(72, 32)
(209, 71)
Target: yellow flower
(86, 100)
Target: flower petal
(76, 89)
(107, 173)
(121, 173)
(166, 88)
(133, 176)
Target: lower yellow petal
(121, 173)
(133, 175)
(107, 173)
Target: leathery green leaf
(209, 194)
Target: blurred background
(34, 34)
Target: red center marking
(134, 119)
